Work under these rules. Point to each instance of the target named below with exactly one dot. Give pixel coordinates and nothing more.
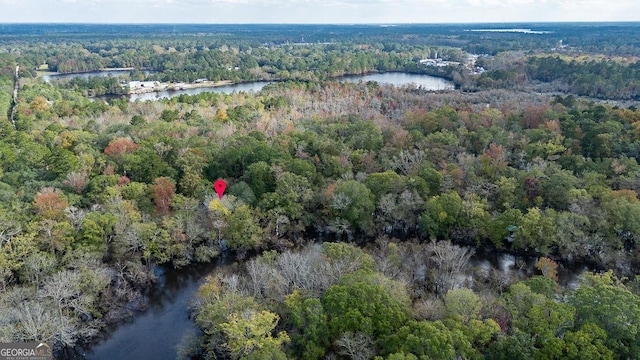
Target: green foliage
(260, 178)
(348, 253)
(310, 335)
(291, 197)
(542, 285)
(425, 340)
(443, 213)
(217, 305)
(604, 301)
(463, 304)
(243, 233)
(518, 346)
(145, 165)
(383, 183)
(535, 231)
(250, 331)
(354, 203)
(365, 303)
(308, 155)
(587, 343)
(94, 231)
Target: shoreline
(57, 73)
(162, 86)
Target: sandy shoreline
(161, 86)
(180, 86)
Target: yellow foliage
(548, 267)
(210, 290)
(216, 206)
(221, 115)
(67, 139)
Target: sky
(316, 11)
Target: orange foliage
(496, 152)
(39, 103)
(50, 203)
(493, 158)
(289, 129)
(163, 190)
(123, 181)
(328, 193)
(534, 115)
(553, 125)
(119, 147)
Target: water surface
(156, 332)
(426, 82)
(254, 86)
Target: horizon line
(329, 23)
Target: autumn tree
(50, 203)
(120, 146)
(163, 190)
(548, 267)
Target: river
(397, 79)
(155, 332)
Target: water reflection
(225, 89)
(426, 82)
(87, 75)
(156, 332)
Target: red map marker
(219, 186)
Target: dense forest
(352, 209)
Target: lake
(426, 82)
(254, 86)
(397, 79)
(86, 75)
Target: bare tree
(408, 161)
(450, 263)
(36, 266)
(8, 229)
(37, 322)
(77, 181)
(357, 346)
(75, 216)
(259, 277)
